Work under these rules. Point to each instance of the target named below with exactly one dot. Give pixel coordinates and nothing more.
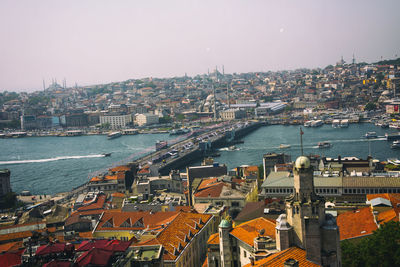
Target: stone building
(5, 186)
(305, 224)
(304, 233)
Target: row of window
(336, 191)
(371, 190)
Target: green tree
(382, 248)
(180, 117)
(105, 126)
(370, 106)
(165, 119)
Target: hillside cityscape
(159, 209)
(205, 133)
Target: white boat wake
(50, 159)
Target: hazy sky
(91, 42)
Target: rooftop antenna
(354, 59)
(301, 141)
(215, 104)
(44, 85)
(369, 148)
(223, 70)
(227, 95)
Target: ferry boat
(392, 136)
(370, 135)
(72, 133)
(317, 123)
(161, 145)
(114, 135)
(282, 146)
(344, 123)
(307, 124)
(178, 132)
(335, 123)
(395, 144)
(324, 144)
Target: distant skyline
(101, 41)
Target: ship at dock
(114, 135)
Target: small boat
(370, 135)
(161, 145)
(324, 144)
(336, 123)
(107, 154)
(232, 148)
(394, 161)
(282, 146)
(344, 123)
(395, 144)
(114, 135)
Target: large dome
(302, 163)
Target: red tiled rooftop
(278, 259)
(213, 239)
(247, 231)
(153, 221)
(356, 223)
(99, 204)
(173, 236)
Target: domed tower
(225, 243)
(306, 212)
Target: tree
(370, 106)
(382, 248)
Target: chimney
(339, 159)
(251, 261)
(291, 263)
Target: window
(244, 253)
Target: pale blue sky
(91, 42)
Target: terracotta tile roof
(11, 246)
(184, 208)
(120, 169)
(86, 234)
(212, 190)
(247, 231)
(178, 233)
(18, 236)
(394, 198)
(117, 176)
(213, 239)
(99, 204)
(278, 259)
(120, 220)
(206, 183)
(205, 263)
(118, 194)
(356, 223)
(387, 216)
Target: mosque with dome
(303, 236)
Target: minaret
(227, 95)
(215, 104)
